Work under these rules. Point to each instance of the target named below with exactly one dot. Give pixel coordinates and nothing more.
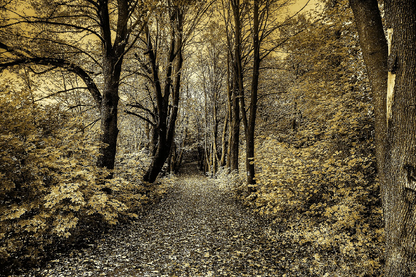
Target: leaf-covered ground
(198, 229)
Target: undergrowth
(51, 192)
(327, 206)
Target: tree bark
(235, 131)
(222, 161)
(399, 194)
(113, 55)
(393, 82)
(237, 86)
(214, 135)
(374, 47)
(253, 98)
(109, 108)
(230, 84)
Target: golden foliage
(49, 182)
(318, 180)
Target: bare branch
(59, 92)
(141, 117)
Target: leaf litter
(197, 229)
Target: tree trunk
(395, 113)
(112, 64)
(235, 131)
(400, 190)
(214, 135)
(109, 108)
(253, 99)
(374, 47)
(224, 147)
(237, 87)
(230, 83)
(207, 161)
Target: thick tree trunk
(162, 147)
(374, 47)
(162, 153)
(394, 89)
(400, 190)
(113, 54)
(109, 108)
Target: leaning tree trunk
(374, 47)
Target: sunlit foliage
(50, 185)
(317, 174)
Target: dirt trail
(196, 230)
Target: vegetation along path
(198, 229)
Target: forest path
(198, 229)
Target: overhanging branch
(80, 72)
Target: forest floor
(197, 229)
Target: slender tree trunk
(253, 99)
(214, 135)
(222, 161)
(207, 160)
(235, 132)
(230, 82)
(237, 87)
(179, 156)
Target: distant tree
(210, 71)
(252, 38)
(391, 66)
(161, 61)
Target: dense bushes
(316, 179)
(324, 193)
(49, 184)
(328, 202)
